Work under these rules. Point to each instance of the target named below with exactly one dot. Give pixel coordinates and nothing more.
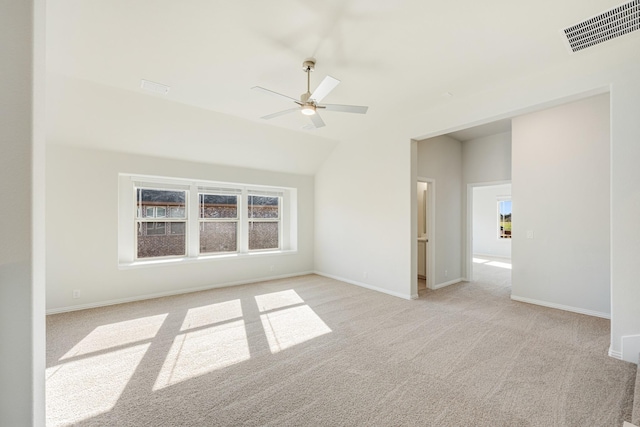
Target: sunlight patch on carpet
(499, 264)
(196, 353)
(211, 314)
(117, 334)
(288, 327)
(276, 300)
(480, 260)
(80, 389)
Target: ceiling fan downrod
(308, 66)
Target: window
(218, 222)
(264, 221)
(178, 220)
(160, 238)
(504, 219)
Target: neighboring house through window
(176, 218)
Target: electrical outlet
(529, 234)
(271, 268)
(446, 273)
(76, 293)
(365, 274)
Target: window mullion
(243, 223)
(193, 222)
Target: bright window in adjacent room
(504, 219)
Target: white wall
(625, 208)
(561, 192)
(22, 332)
(484, 160)
(363, 217)
(380, 161)
(91, 115)
(82, 221)
(485, 221)
(440, 158)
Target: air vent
(606, 26)
(154, 87)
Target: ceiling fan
(309, 103)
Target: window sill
(201, 258)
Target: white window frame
(201, 221)
(248, 220)
(127, 208)
(139, 219)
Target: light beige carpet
(315, 351)
(635, 418)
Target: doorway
(489, 231)
(425, 237)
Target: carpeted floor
(315, 351)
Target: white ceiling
(399, 57)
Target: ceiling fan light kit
(308, 110)
(309, 102)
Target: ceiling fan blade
(317, 120)
(358, 109)
(270, 92)
(280, 113)
(326, 86)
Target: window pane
(218, 236)
(218, 206)
(154, 228)
(154, 203)
(154, 241)
(263, 207)
(177, 227)
(263, 235)
(176, 212)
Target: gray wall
(561, 193)
(487, 159)
(440, 158)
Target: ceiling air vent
(156, 87)
(606, 26)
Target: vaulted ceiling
(399, 58)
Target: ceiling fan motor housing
(309, 64)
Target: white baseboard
(615, 354)
(170, 293)
(562, 307)
(450, 282)
(367, 286)
(631, 348)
